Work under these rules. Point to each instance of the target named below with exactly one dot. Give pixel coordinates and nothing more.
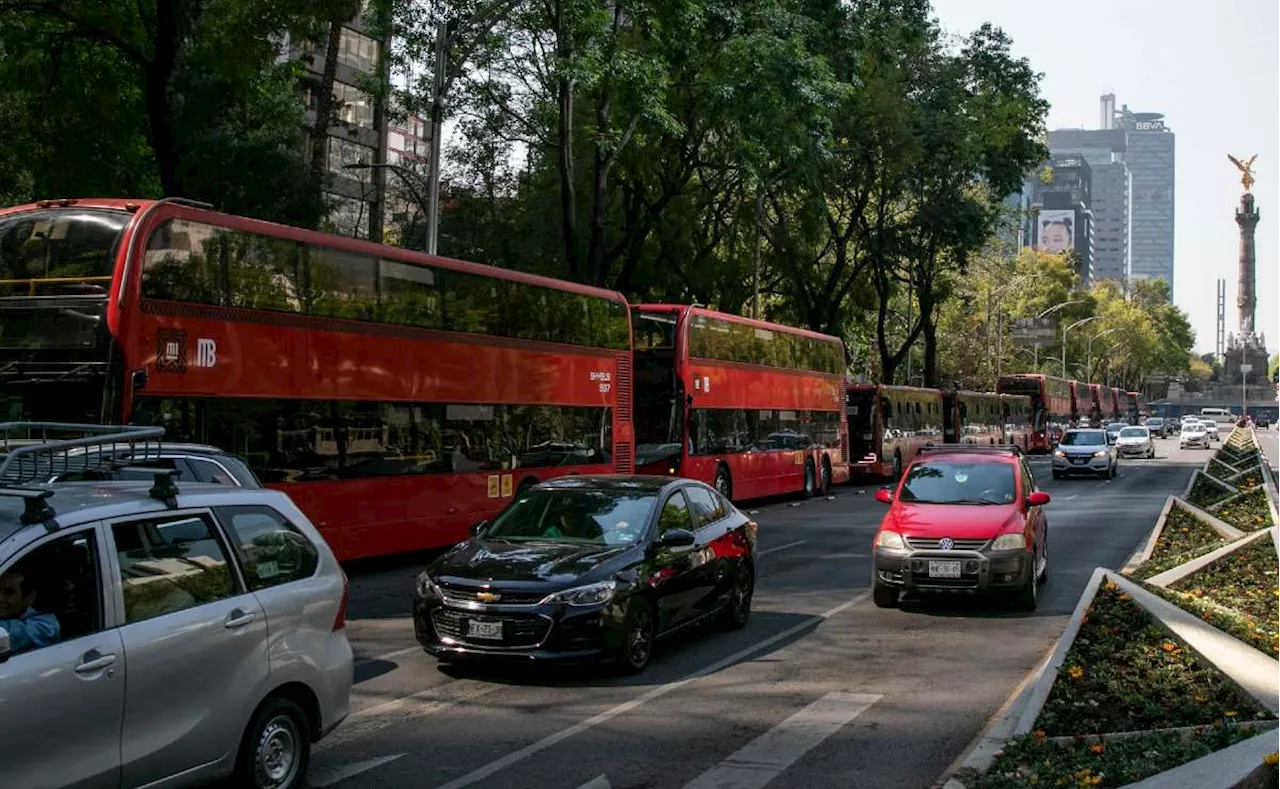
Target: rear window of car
(271, 548)
(960, 482)
(1084, 438)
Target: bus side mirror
(478, 528)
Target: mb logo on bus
(206, 352)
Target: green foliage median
(1249, 512)
(1183, 538)
(1204, 493)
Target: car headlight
(591, 594)
(1058, 453)
(891, 540)
(1101, 453)
(1010, 542)
(427, 588)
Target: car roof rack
(972, 449)
(35, 508)
(33, 452)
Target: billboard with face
(1056, 230)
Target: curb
(1148, 545)
(1224, 768)
(1175, 574)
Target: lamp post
(1088, 364)
(1245, 369)
(991, 294)
(1066, 329)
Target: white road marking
(395, 653)
(425, 703)
(498, 765)
(767, 756)
(323, 778)
(599, 782)
(783, 547)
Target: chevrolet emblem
(488, 597)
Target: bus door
(659, 401)
(860, 408)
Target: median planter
(1127, 681)
(1249, 511)
(1204, 491)
(1219, 470)
(1184, 533)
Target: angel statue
(1246, 168)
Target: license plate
(480, 629)
(1079, 461)
(944, 569)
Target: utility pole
(437, 123)
(755, 273)
(1245, 369)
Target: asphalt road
(821, 689)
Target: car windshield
(959, 482)
(1134, 432)
(1154, 422)
(586, 516)
(1192, 427)
(1115, 427)
(1084, 438)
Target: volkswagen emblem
(946, 544)
(488, 597)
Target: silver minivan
(161, 635)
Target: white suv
(151, 632)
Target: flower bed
(1238, 594)
(1183, 538)
(1250, 480)
(1034, 760)
(1249, 512)
(1218, 470)
(1125, 672)
(1204, 493)
(1238, 457)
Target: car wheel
(1029, 594)
(1043, 575)
(276, 747)
(738, 610)
(724, 483)
(883, 595)
(639, 635)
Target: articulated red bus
(397, 398)
(1018, 426)
(1104, 401)
(1136, 408)
(1052, 407)
(754, 408)
(973, 418)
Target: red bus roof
(759, 324)
(139, 207)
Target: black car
(589, 567)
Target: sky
(1213, 69)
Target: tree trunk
(929, 323)
(325, 106)
(159, 73)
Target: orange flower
(1124, 595)
(1272, 758)
(1231, 713)
(1099, 748)
(1169, 646)
(1039, 733)
(1075, 672)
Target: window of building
(358, 51)
(353, 105)
(344, 152)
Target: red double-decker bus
(1051, 406)
(889, 425)
(1136, 408)
(973, 418)
(396, 397)
(754, 408)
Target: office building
(1149, 153)
(1062, 220)
(356, 185)
(1131, 155)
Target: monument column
(1246, 300)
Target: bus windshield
(55, 275)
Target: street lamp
(1088, 365)
(1066, 329)
(991, 294)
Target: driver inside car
(27, 628)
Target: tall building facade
(1149, 152)
(1061, 215)
(357, 141)
(1103, 149)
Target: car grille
(465, 594)
(931, 544)
(517, 630)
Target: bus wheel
(724, 483)
(809, 480)
(825, 487)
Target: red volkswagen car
(963, 518)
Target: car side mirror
(675, 538)
(1038, 498)
(4, 645)
(884, 496)
(478, 528)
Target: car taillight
(340, 621)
